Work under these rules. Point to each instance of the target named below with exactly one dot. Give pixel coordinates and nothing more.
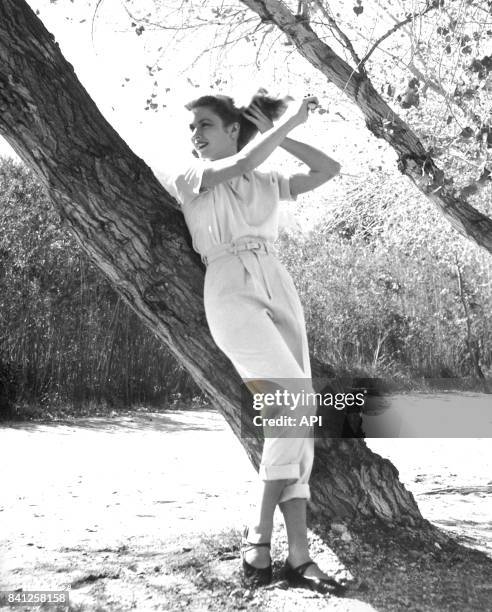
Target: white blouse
(247, 205)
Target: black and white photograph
(246, 305)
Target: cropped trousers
(256, 318)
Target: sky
(102, 60)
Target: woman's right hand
(299, 109)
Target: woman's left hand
(258, 118)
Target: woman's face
(210, 138)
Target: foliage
(383, 271)
(379, 283)
(64, 331)
(378, 280)
(435, 69)
(431, 60)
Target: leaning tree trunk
(381, 120)
(134, 232)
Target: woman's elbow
(336, 167)
(332, 170)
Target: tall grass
(390, 289)
(65, 334)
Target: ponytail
(224, 107)
(273, 108)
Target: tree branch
(131, 228)
(414, 161)
(344, 38)
(408, 19)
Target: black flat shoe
(255, 576)
(295, 577)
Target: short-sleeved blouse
(247, 205)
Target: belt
(233, 248)
(240, 248)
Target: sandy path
(100, 485)
(75, 496)
(129, 475)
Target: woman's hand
(258, 118)
(299, 109)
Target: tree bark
(413, 160)
(134, 232)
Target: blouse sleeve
(283, 182)
(187, 182)
(182, 182)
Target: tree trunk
(381, 120)
(134, 232)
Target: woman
(251, 303)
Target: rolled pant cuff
(295, 490)
(279, 472)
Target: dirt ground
(143, 511)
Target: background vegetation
(66, 338)
(389, 290)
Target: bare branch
(429, 81)
(263, 38)
(94, 19)
(397, 26)
(344, 38)
(179, 27)
(414, 160)
(227, 42)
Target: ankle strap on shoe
(300, 569)
(247, 545)
(251, 545)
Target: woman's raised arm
(257, 151)
(321, 167)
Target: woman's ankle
(259, 533)
(298, 554)
(297, 559)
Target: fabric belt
(235, 247)
(243, 248)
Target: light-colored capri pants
(256, 318)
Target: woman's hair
(224, 107)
